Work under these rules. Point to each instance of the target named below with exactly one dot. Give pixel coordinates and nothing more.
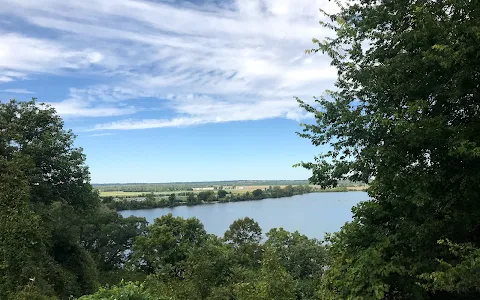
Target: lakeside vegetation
(188, 186)
(405, 119)
(203, 197)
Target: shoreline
(138, 204)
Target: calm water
(310, 214)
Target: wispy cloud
(17, 91)
(101, 134)
(207, 64)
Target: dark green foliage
(171, 200)
(461, 277)
(272, 281)
(257, 193)
(125, 291)
(109, 238)
(244, 236)
(206, 196)
(23, 253)
(192, 199)
(57, 171)
(243, 231)
(222, 193)
(185, 263)
(209, 266)
(46, 195)
(405, 117)
(165, 247)
(303, 258)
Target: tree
(125, 291)
(150, 197)
(303, 258)
(222, 194)
(209, 266)
(244, 236)
(243, 231)
(109, 238)
(58, 171)
(206, 196)
(171, 200)
(271, 282)
(54, 194)
(405, 118)
(164, 248)
(192, 199)
(257, 193)
(22, 249)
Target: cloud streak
(206, 64)
(17, 91)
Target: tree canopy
(405, 118)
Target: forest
(404, 118)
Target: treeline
(175, 258)
(153, 201)
(187, 186)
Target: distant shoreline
(138, 204)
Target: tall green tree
(52, 193)
(209, 267)
(23, 253)
(303, 258)
(171, 200)
(222, 194)
(243, 231)
(272, 281)
(164, 249)
(109, 238)
(405, 118)
(244, 236)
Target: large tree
(404, 117)
(165, 247)
(45, 197)
(303, 258)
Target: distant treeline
(186, 186)
(152, 201)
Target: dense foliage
(405, 117)
(45, 195)
(184, 262)
(56, 239)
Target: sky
(169, 91)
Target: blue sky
(161, 91)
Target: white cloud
(17, 91)
(79, 108)
(242, 61)
(101, 134)
(26, 54)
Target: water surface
(310, 214)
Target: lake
(311, 214)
